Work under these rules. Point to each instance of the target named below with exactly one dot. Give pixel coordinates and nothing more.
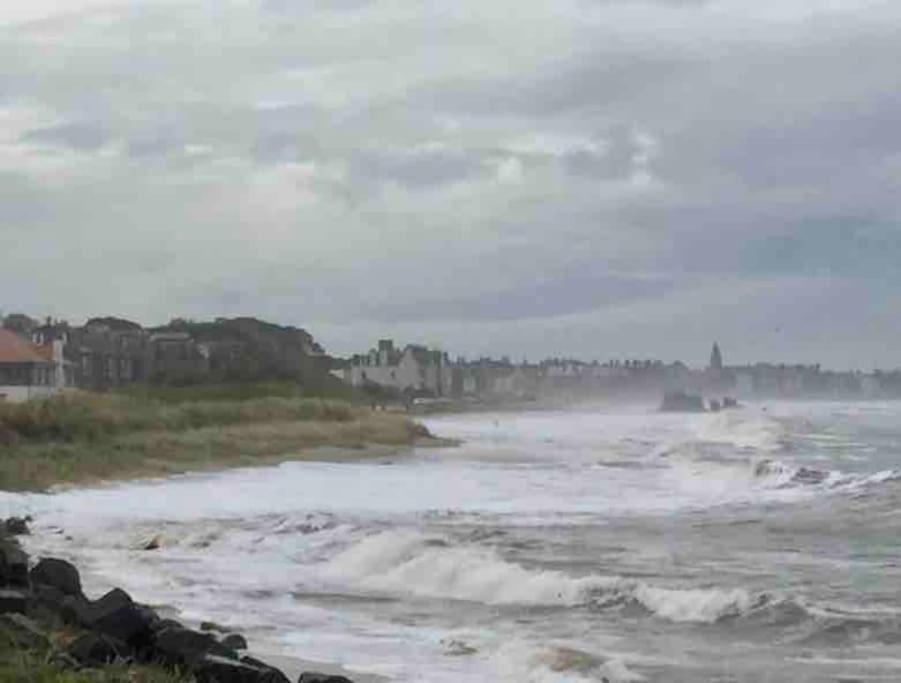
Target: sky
(589, 178)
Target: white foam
(694, 605)
(411, 563)
(521, 660)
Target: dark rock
(682, 402)
(163, 624)
(152, 543)
(184, 647)
(212, 626)
(269, 673)
(150, 616)
(75, 609)
(48, 598)
(312, 677)
(213, 669)
(234, 641)
(57, 573)
(93, 649)
(13, 600)
(23, 632)
(17, 526)
(116, 615)
(13, 566)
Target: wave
(743, 430)
(522, 661)
(808, 625)
(779, 474)
(411, 563)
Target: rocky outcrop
(114, 629)
(681, 402)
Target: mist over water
(754, 545)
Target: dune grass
(34, 665)
(88, 437)
(92, 417)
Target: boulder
(23, 632)
(93, 649)
(74, 610)
(184, 647)
(13, 600)
(214, 669)
(58, 574)
(48, 598)
(163, 624)
(115, 615)
(269, 673)
(16, 526)
(234, 641)
(150, 616)
(312, 677)
(152, 543)
(13, 566)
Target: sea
(597, 543)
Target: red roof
(16, 349)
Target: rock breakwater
(44, 611)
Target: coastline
(49, 629)
(48, 467)
(44, 466)
(160, 470)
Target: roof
(16, 349)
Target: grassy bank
(18, 665)
(86, 437)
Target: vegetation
(92, 417)
(19, 665)
(238, 391)
(87, 437)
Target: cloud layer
(588, 177)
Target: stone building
(413, 370)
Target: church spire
(716, 358)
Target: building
(108, 352)
(29, 371)
(413, 370)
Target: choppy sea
(762, 544)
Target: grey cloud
(416, 168)
(775, 157)
(84, 137)
(562, 293)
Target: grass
(19, 665)
(84, 437)
(235, 391)
(93, 417)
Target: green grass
(238, 391)
(93, 417)
(34, 666)
(83, 437)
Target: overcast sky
(597, 178)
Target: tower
(716, 358)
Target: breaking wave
(782, 475)
(410, 563)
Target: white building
(29, 371)
(415, 369)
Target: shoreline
(325, 453)
(50, 465)
(50, 629)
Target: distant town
(40, 358)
